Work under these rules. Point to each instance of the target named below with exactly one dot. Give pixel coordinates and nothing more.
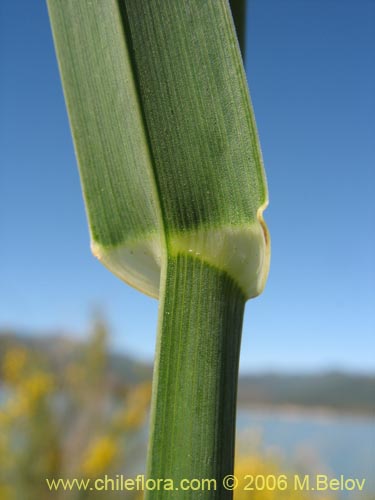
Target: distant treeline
(336, 391)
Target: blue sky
(312, 81)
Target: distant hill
(335, 391)
(59, 350)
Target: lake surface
(313, 443)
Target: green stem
(195, 378)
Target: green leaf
(175, 190)
(165, 136)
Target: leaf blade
(109, 138)
(183, 159)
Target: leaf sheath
(195, 377)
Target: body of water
(313, 443)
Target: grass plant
(175, 190)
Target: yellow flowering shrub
(64, 419)
(257, 464)
(13, 364)
(100, 456)
(134, 413)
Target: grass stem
(195, 379)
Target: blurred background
(77, 345)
